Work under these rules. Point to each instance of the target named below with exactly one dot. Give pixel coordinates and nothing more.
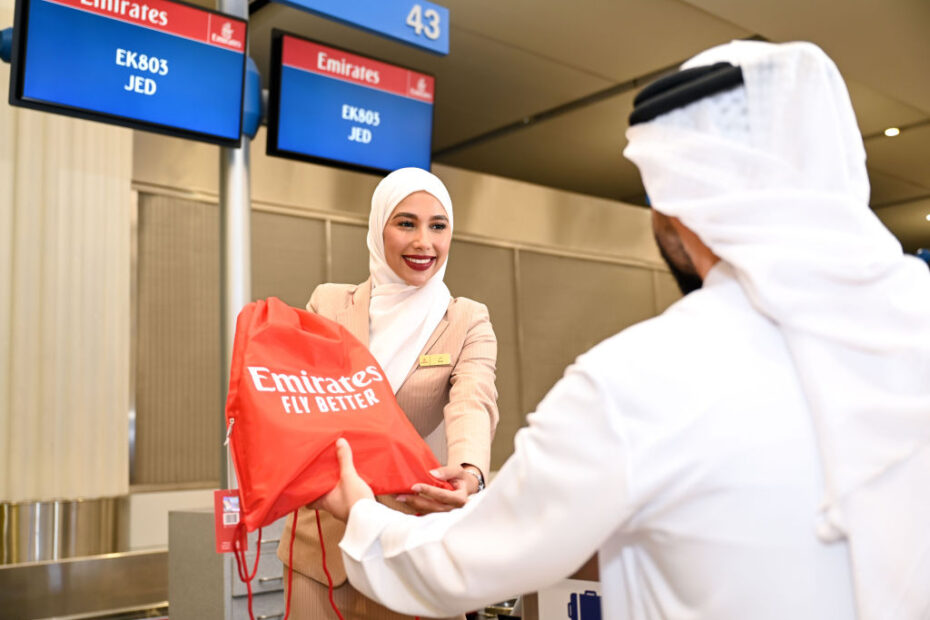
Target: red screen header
(341, 65)
(177, 19)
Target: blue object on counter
(584, 606)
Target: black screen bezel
(17, 84)
(274, 101)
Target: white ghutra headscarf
(771, 176)
(402, 317)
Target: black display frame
(274, 100)
(17, 85)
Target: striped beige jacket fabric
(453, 406)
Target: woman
(438, 353)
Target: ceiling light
(891, 132)
(928, 217)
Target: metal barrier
(59, 529)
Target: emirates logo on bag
(297, 383)
(307, 393)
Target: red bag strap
(239, 543)
(242, 567)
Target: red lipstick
(419, 263)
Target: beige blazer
(454, 407)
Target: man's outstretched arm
(560, 495)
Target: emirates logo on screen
(421, 89)
(227, 36)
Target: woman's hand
(350, 489)
(427, 498)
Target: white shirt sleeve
(560, 495)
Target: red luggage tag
(226, 518)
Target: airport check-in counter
(204, 584)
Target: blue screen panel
(183, 76)
(341, 108)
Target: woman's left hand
(427, 498)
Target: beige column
(65, 205)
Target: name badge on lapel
(437, 359)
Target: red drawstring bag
(297, 383)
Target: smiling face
(416, 238)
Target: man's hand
(427, 498)
(350, 488)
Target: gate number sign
(416, 22)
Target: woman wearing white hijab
(439, 354)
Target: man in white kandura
(762, 448)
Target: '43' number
(417, 17)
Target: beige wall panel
(486, 206)
(667, 291)
(313, 187)
(349, 253)
(521, 213)
(486, 274)
(178, 408)
(569, 305)
(288, 257)
(65, 224)
(174, 163)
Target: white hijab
(771, 176)
(402, 317)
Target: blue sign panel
(418, 23)
(159, 65)
(332, 106)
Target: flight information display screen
(335, 107)
(155, 65)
